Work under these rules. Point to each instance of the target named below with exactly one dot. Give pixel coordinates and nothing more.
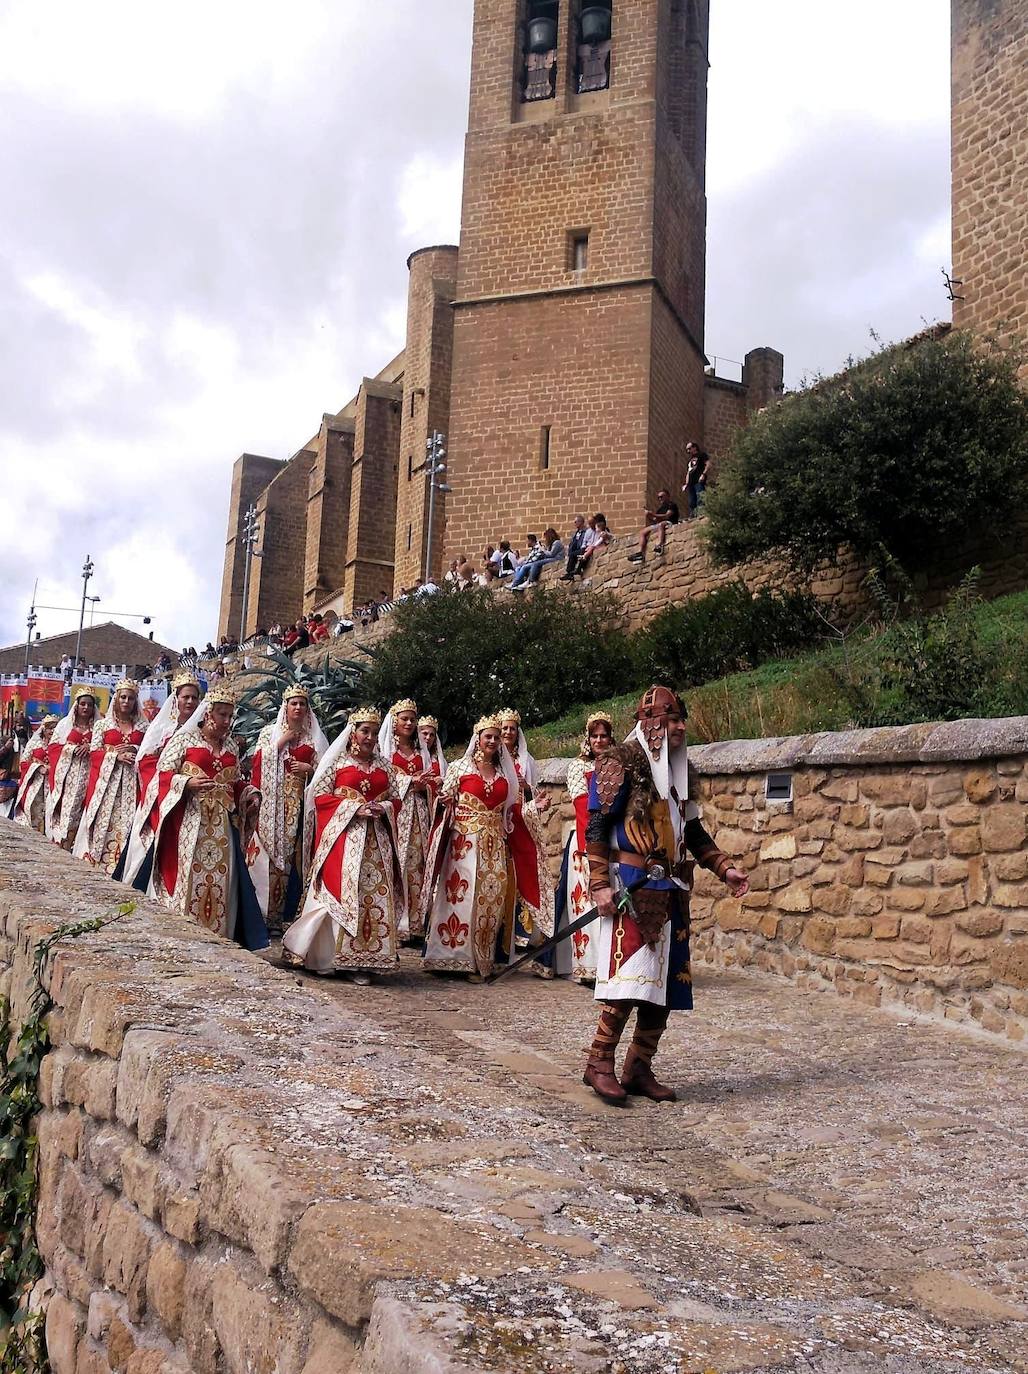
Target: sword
(623, 902)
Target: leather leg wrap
(613, 1019)
(650, 1023)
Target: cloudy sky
(207, 209)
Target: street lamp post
(250, 540)
(434, 467)
(30, 623)
(87, 573)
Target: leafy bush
(334, 689)
(460, 654)
(727, 631)
(910, 451)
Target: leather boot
(599, 1075)
(637, 1078)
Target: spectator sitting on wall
(465, 575)
(504, 560)
(552, 552)
(599, 537)
(536, 551)
(695, 478)
(657, 522)
(487, 576)
(452, 571)
(577, 545)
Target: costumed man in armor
(286, 755)
(68, 757)
(179, 708)
(641, 824)
(30, 803)
(198, 869)
(400, 744)
(112, 791)
(533, 918)
(350, 920)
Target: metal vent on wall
(778, 787)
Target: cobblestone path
(836, 1190)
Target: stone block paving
(837, 1189)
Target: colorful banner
(48, 693)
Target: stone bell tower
(578, 319)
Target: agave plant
(334, 688)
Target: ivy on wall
(22, 1339)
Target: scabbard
(534, 953)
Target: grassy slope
(785, 697)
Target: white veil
(140, 720)
(438, 756)
(387, 741)
(67, 724)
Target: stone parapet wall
(897, 874)
(235, 1175)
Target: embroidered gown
(111, 797)
(413, 834)
(137, 861)
(532, 873)
(350, 920)
(66, 794)
(274, 854)
(575, 958)
(198, 871)
(469, 892)
(30, 803)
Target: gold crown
(89, 692)
(487, 723)
(185, 680)
(596, 718)
(220, 694)
(428, 720)
(127, 684)
(48, 720)
(294, 692)
(405, 705)
(508, 714)
(365, 715)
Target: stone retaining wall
(897, 873)
(236, 1176)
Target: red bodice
(213, 765)
(370, 783)
(491, 795)
(411, 766)
(302, 753)
(115, 737)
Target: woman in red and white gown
(428, 732)
(350, 919)
(416, 786)
(576, 958)
(285, 758)
(470, 886)
(68, 759)
(112, 791)
(527, 840)
(180, 707)
(30, 803)
(198, 869)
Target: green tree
(460, 654)
(907, 453)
